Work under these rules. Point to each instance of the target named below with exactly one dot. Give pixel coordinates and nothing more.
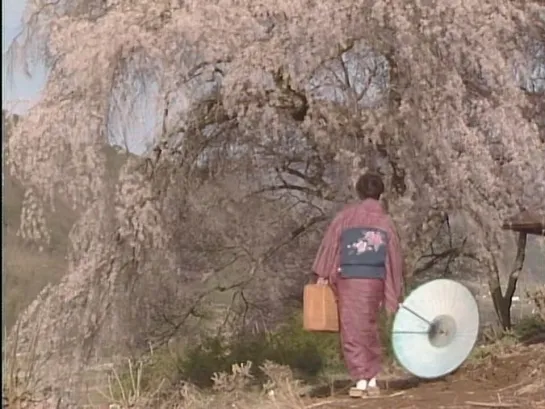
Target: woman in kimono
(360, 257)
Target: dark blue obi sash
(363, 253)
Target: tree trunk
(502, 302)
(502, 306)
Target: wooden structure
(525, 223)
(529, 222)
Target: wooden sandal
(356, 393)
(373, 391)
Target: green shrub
(308, 354)
(385, 331)
(202, 361)
(528, 327)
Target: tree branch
(435, 258)
(288, 186)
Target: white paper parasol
(435, 329)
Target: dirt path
(515, 380)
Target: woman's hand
(322, 281)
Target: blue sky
(22, 87)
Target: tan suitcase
(320, 309)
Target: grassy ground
(501, 374)
(313, 361)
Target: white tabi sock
(361, 385)
(372, 383)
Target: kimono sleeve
(326, 263)
(393, 285)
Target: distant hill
(26, 270)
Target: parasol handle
(433, 328)
(416, 314)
